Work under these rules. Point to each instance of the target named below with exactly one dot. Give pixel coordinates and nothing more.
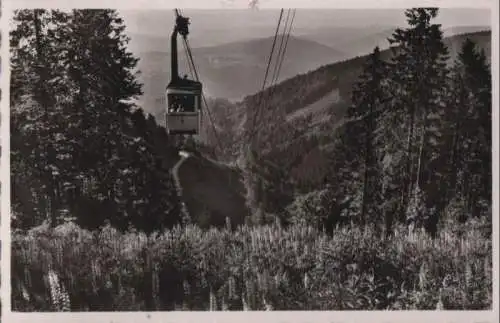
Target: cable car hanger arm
(181, 27)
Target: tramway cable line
(185, 97)
(286, 44)
(259, 104)
(279, 58)
(280, 50)
(278, 65)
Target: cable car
(183, 95)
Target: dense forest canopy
(78, 148)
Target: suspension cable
(258, 108)
(190, 65)
(203, 96)
(190, 60)
(282, 58)
(286, 43)
(276, 65)
(279, 64)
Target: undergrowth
(251, 268)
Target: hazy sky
(245, 3)
(152, 21)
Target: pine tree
(419, 84)
(348, 167)
(369, 96)
(253, 185)
(470, 161)
(100, 69)
(38, 99)
(76, 143)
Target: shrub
(251, 268)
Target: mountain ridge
(295, 107)
(233, 70)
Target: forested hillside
(303, 119)
(364, 184)
(232, 70)
(78, 149)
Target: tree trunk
(407, 186)
(368, 190)
(43, 99)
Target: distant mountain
(357, 41)
(237, 69)
(354, 41)
(215, 27)
(460, 30)
(338, 37)
(306, 104)
(211, 36)
(313, 103)
(481, 38)
(343, 74)
(336, 81)
(232, 70)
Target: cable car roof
(185, 84)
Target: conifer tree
(419, 83)
(38, 99)
(348, 167)
(369, 96)
(76, 144)
(470, 160)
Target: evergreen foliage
(79, 148)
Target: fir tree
(419, 85)
(38, 101)
(470, 180)
(369, 96)
(76, 144)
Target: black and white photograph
(251, 159)
(3, 168)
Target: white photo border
(279, 316)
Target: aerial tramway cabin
(183, 116)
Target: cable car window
(182, 102)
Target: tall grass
(251, 268)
